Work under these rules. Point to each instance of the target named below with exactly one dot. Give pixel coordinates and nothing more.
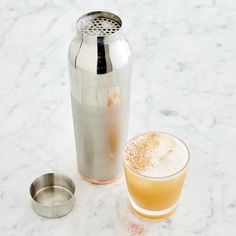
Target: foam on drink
(156, 154)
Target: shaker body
(100, 69)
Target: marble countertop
(183, 83)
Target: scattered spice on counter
(136, 229)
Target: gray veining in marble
(183, 82)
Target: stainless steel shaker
(100, 66)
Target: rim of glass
(158, 177)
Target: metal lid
(52, 195)
(99, 24)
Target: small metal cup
(52, 195)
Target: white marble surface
(184, 83)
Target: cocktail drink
(155, 165)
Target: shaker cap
(99, 24)
(52, 195)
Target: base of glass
(152, 215)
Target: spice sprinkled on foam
(155, 154)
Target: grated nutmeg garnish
(137, 151)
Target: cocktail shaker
(100, 67)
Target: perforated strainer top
(99, 24)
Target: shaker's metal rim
(63, 208)
(107, 38)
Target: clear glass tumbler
(155, 165)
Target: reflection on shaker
(114, 100)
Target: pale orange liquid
(154, 194)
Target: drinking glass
(154, 198)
